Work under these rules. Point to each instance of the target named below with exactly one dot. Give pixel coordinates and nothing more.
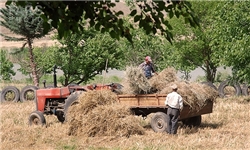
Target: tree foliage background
(82, 56)
(150, 15)
(222, 38)
(230, 32)
(6, 67)
(26, 23)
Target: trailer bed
(151, 103)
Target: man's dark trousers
(172, 119)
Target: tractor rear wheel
(71, 100)
(159, 122)
(37, 118)
(60, 115)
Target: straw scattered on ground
(98, 114)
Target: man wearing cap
(175, 105)
(148, 67)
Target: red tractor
(57, 100)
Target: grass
(226, 128)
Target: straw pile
(135, 82)
(97, 114)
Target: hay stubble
(226, 128)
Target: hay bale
(135, 82)
(166, 76)
(98, 114)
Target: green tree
(84, 55)
(151, 16)
(144, 45)
(6, 66)
(27, 23)
(192, 45)
(230, 31)
(43, 56)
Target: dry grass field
(226, 128)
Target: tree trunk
(211, 71)
(33, 64)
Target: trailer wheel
(10, 93)
(193, 121)
(71, 100)
(37, 118)
(28, 93)
(245, 88)
(159, 122)
(227, 83)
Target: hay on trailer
(135, 82)
(194, 95)
(103, 118)
(189, 98)
(203, 93)
(166, 76)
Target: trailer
(143, 105)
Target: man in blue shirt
(148, 67)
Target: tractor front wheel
(37, 118)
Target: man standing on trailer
(148, 67)
(175, 105)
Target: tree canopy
(221, 40)
(150, 15)
(81, 56)
(230, 31)
(191, 45)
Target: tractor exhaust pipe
(54, 76)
